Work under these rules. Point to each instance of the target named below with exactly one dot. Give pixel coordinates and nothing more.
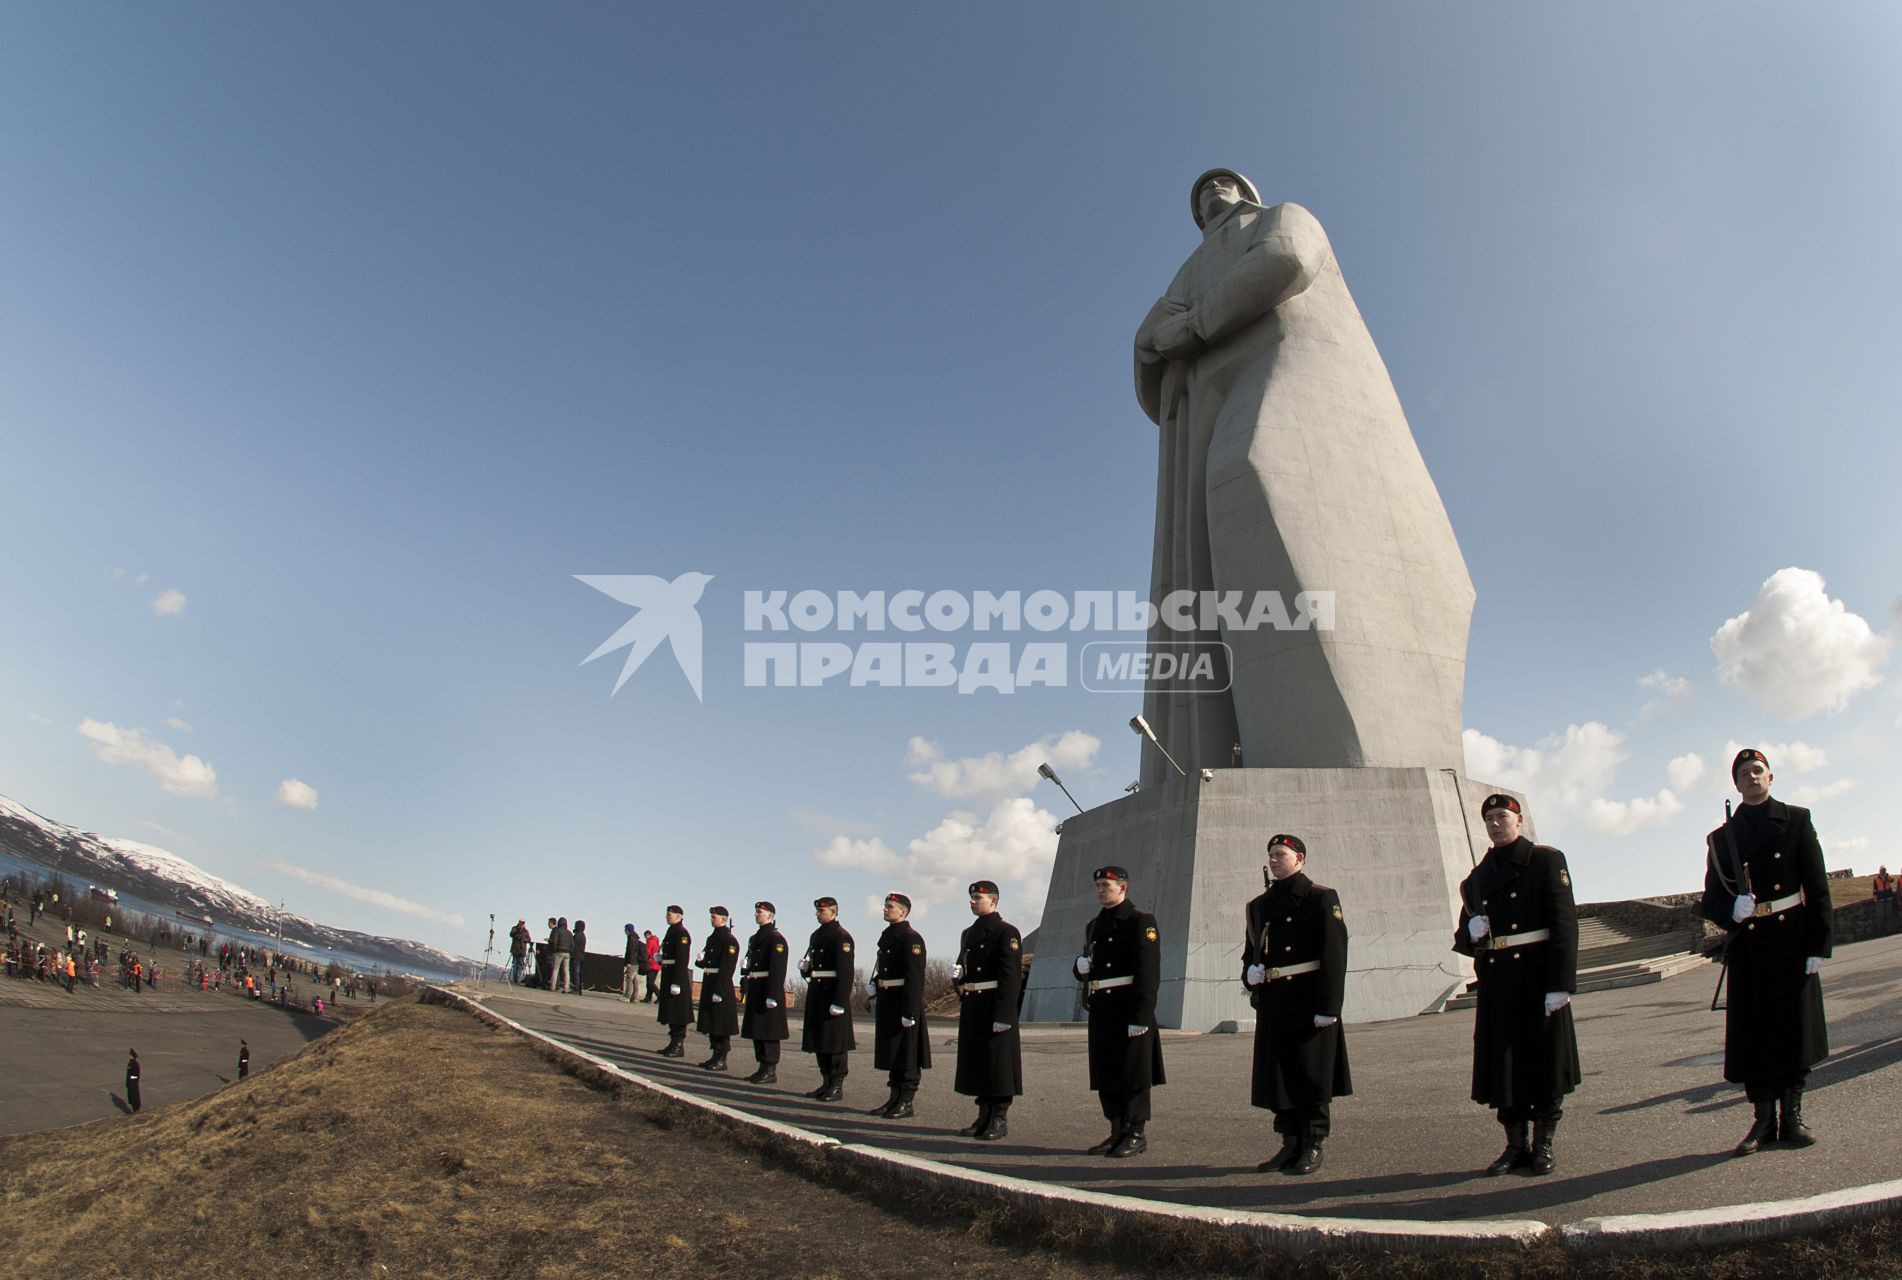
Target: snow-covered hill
(161, 876)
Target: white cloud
(296, 794)
(1685, 770)
(375, 897)
(1849, 844)
(170, 601)
(822, 824)
(1786, 759)
(864, 855)
(180, 725)
(166, 831)
(1796, 650)
(1573, 766)
(45, 722)
(180, 775)
(993, 776)
(1810, 793)
(1622, 817)
(1669, 688)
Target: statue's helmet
(1195, 190)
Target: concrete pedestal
(1395, 842)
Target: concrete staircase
(1610, 957)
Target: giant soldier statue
(829, 969)
(675, 1008)
(989, 976)
(719, 1019)
(901, 1045)
(1286, 466)
(764, 982)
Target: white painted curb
(1734, 1224)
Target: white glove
(1322, 1020)
(717, 999)
(835, 1010)
(957, 971)
(673, 988)
(871, 988)
(1478, 927)
(907, 1022)
(1556, 1000)
(1745, 908)
(999, 1026)
(1135, 1030)
(1255, 975)
(1082, 966)
(771, 1003)
(805, 968)
(1813, 965)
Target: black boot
(1543, 1161)
(1307, 1161)
(1103, 1148)
(1133, 1143)
(978, 1125)
(767, 1074)
(1517, 1154)
(1791, 1128)
(996, 1126)
(833, 1092)
(1290, 1149)
(1763, 1129)
(901, 1110)
(888, 1106)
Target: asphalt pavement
(1649, 1131)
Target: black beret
(1500, 801)
(675, 911)
(826, 902)
(1744, 757)
(1110, 873)
(1293, 842)
(767, 907)
(719, 911)
(900, 899)
(985, 886)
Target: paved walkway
(1649, 1131)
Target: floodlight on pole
(1046, 771)
(1141, 726)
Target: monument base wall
(1395, 842)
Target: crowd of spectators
(557, 962)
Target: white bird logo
(664, 611)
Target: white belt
(1294, 970)
(823, 973)
(1781, 904)
(989, 984)
(1128, 980)
(891, 982)
(1520, 939)
(754, 977)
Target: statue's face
(1215, 195)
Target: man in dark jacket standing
(560, 943)
(1294, 964)
(519, 941)
(1519, 922)
(989, 976)
(244, 1059)
(633, 962)
(830, 970)
(719, 1017)
(900, 1043)
(1121, 967)
(675, 1009)
(763, 982)
(132, 1081)
(1765, 883)
(578, 951)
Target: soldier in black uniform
(1294, 964)
(829, 970)
(989, 976)
(675, 1008)
(900, 1044)
(1520, 924)
(719, 1017)
(132, 1081)
(244, 1059)
(1765, 882)
(1121, 966)
(763, 981)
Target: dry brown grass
(421, 1142)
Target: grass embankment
(420, 1142)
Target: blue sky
(364, 329)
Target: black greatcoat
(829, 950)
(901, 958)
(1124, 941)
(676, 969)
(718, 959)
(990, 1064)
(1297, 1064)
(1520, 1055)
(1773, 1018)
(763, 979)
